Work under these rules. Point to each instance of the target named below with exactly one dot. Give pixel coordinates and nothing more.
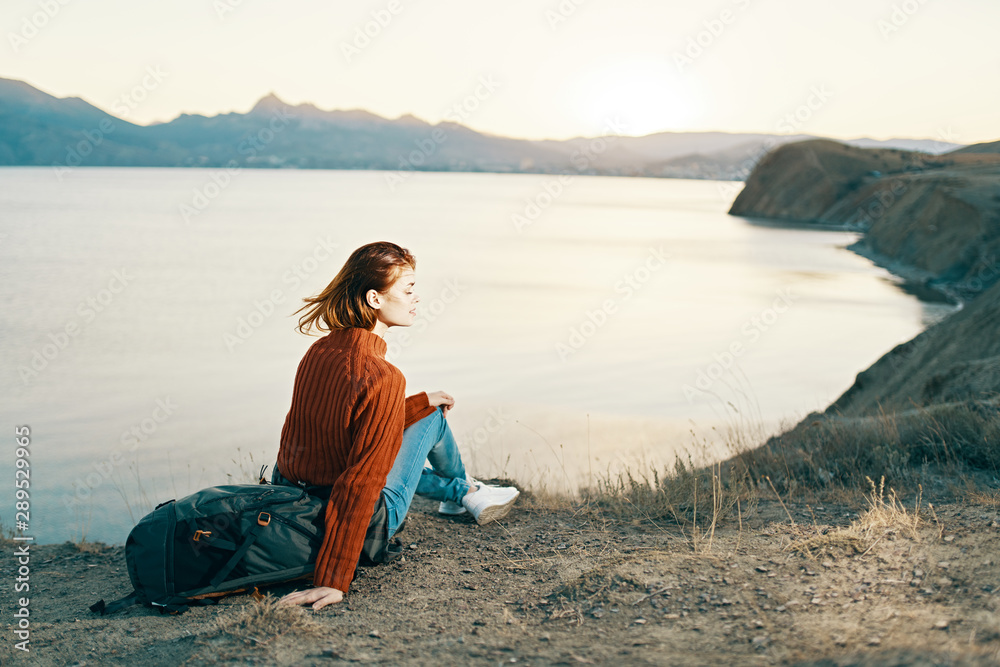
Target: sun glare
(640, 96)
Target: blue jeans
(429, 439)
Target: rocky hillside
(935, 217)
(956, 359)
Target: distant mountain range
(41, 130)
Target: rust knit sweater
(344, 428)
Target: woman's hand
(436, 398)
(319, 596)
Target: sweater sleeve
(376, 433)
(417, 407)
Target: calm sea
(581, 325)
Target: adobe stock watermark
(32, 25)
(427, 313)
(428, 146)
(83, 487)
(220, 179)
(123, 105)
(370, 30)
(594, 320)
(984, 274)
(712, 29)
(898, 17)
(892, 188)
(87, 311)
(495, 422)
(793, 121)
(553, 188)
(264, 308)
(224, 8)
(562, 12)
(751, 331)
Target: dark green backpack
(220, 540)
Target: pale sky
(877, 68)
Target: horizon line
(478, 131)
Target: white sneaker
(453, 509)
(448, 507)
(490, 503)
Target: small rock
(413, 546)
(781, 608)
(874, 641)
(331, 653)
(941, 625)
(375, 633)
(949, 538)
(918, 573)
(466, 571)
(760, 642)
(840, 640)
(944, 565)
(827, 563)
(671, 616)
(640, 621)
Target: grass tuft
(263, 619)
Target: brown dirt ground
(564, 586)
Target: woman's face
(398, 304)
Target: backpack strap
(179, 605)
(127, 601)
(173, 605)
(263, 518)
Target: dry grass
(988, 498)
(262, 619)
(85, 547)
(885, 515)
(832, 458)
(6, 535)
(838, 453)
(696, 500)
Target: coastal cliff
(933, 218)
(936, 218)
(957, 359)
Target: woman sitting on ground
(351, 436)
